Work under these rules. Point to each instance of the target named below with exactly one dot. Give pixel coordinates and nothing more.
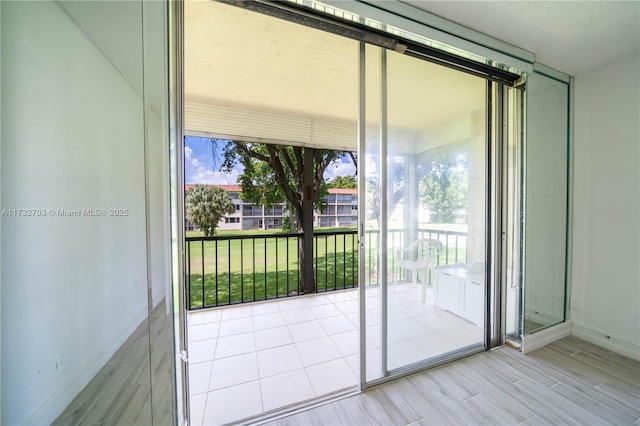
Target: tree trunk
(301, 264)
(305, 220)
(292, 221)
(305, 256)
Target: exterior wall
(234, 220)
(341, 211)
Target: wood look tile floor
(135, 387)
(568, 382)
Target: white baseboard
(51, 408)
(614, 343)
(534, 341)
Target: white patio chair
(420, 255)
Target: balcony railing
(225, 270)
(454, 245)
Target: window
(251, 210)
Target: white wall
(606, 223)
(73, 288)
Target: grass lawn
(263, 265)
(242, 270)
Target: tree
(290, 174)
(395, 193)
(206, 205)
(396, 188)
(345, 182)
(444, 187)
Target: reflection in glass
(425, 245)
(157, 213)
(436, 210)
(93, 342)
(83, 337)
(176, 194)
(372, 193)
(512, 214)
(546, 203)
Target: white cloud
(197, 172)
(339, 168)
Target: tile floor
(250, 359)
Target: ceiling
(570, 36)
(115, 28)
(279, 66)
(256, 63)
(243, 59)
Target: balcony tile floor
(250, 359)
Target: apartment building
(340, 210)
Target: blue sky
(200, 167)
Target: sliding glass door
(427, 201)
(424, 161)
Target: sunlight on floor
(249, 359)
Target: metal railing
(454, 245)
(225, 270)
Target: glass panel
(546, 202)
(372, 194)
(425, 218)
(162, 357)
(176, 193)
(436, 210)
(74, 149)
(512, 213)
